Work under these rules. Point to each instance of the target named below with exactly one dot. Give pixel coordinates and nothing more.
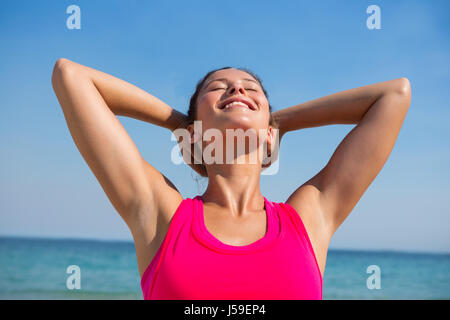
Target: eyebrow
(224, 79)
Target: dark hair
(192, 111)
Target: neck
(235, 188)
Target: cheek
(208, 100)
(265, 111)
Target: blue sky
(302, 50)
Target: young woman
(231, 242)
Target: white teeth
(236, 103)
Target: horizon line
(381, 250)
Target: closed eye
(224, 89)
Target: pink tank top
(191, 264)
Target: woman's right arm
(91, 100)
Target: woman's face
(227, 84)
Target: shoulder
(308, 201)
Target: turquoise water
(36, 269)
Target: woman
(231, 242)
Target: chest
(269, 274)
(235, 231)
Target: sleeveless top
(191, 264)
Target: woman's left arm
(378, 110)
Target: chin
(235, 123)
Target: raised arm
(91, 100)
(379, 111)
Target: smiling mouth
(235, 105)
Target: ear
(270, 139)
(272, 142)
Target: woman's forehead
(230, 74)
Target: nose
(236, 87)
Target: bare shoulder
(306, 201)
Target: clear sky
(302, 50)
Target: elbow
(60, 65)
(58, 70)
(402, 87)
(61, 69)
(61, 62)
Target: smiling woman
(217, 84)
(231, 242)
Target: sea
(60, 269)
